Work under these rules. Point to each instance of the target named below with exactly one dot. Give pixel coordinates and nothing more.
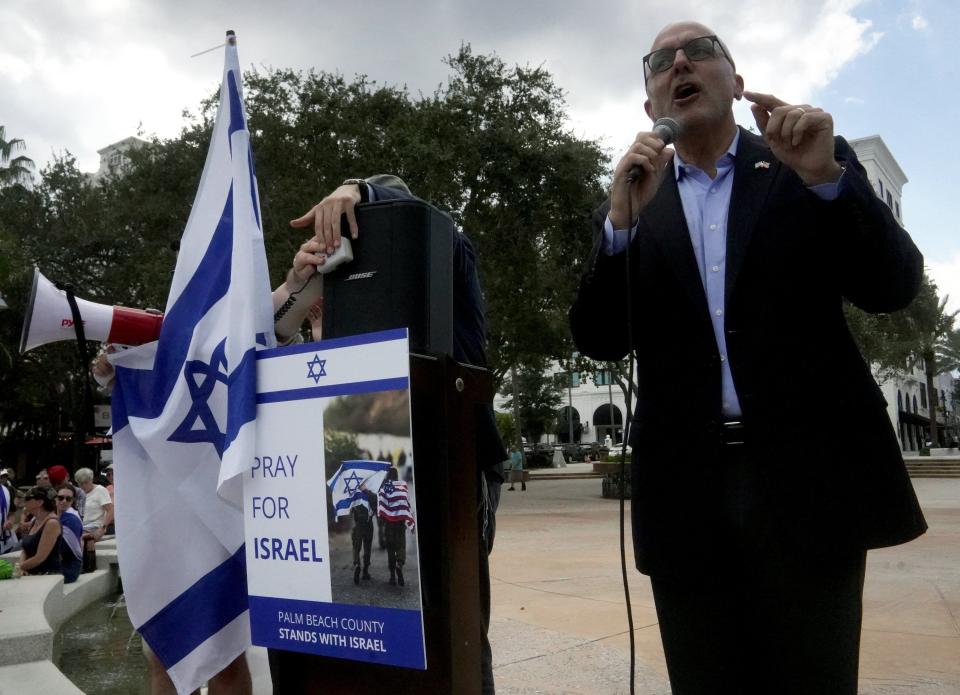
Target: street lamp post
(613, 424)
(573, 356)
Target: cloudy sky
(79, 75)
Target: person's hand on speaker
(325, 216)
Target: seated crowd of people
(57, 522)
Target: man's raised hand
(799, 135)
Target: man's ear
(737, 87)
(648, 109)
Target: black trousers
(362, 536)
(490, 500)
(395, 537)
(766, 619)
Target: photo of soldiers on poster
(372, 524)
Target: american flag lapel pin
(762, 165)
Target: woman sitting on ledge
(71, 548)
(41, 544)
(97, 515)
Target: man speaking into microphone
(723, 265)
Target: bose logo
(361, 276)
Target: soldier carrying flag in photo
(393, 506)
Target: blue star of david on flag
(201, 380)
(317, 368)
(347, 483)
(352, 483)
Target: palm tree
(13, 169)
(948, 352)
(934, 326)
(948, 360)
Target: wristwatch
(362, 185)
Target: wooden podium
(445, 397)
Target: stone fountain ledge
(32, 609)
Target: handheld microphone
(668, 130)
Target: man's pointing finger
(767, 101)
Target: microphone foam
(667, 130)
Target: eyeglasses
(43, 477)
(64, 499)
(700, 48)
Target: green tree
(918, 335)
(337, 448)
(56, 227)
(507, 427)
(538, 397)
(932, 324)
(523, 187)
(490, 146)
(948, 351)
(13, 169)
(948, 360)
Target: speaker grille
(400, 276)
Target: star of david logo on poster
(352, 483)
(317, 368)
(200, 425)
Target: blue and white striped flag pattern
(348, 484)
(183, 418)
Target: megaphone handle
(77, 321)
(289, 317)
(84, 358)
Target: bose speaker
(401, 276)
(49, 319)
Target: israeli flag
(183, 420)
(352, 479)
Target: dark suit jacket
(832, 469)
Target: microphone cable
(628, 420)
(668, 130)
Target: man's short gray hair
(83, 475)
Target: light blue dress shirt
(706, 203)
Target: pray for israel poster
(330, 503)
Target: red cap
(58, 475)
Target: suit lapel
(665, 221)
(754, 170)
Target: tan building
(114, 159)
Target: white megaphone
(48, 319)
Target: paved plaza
(559, 621)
